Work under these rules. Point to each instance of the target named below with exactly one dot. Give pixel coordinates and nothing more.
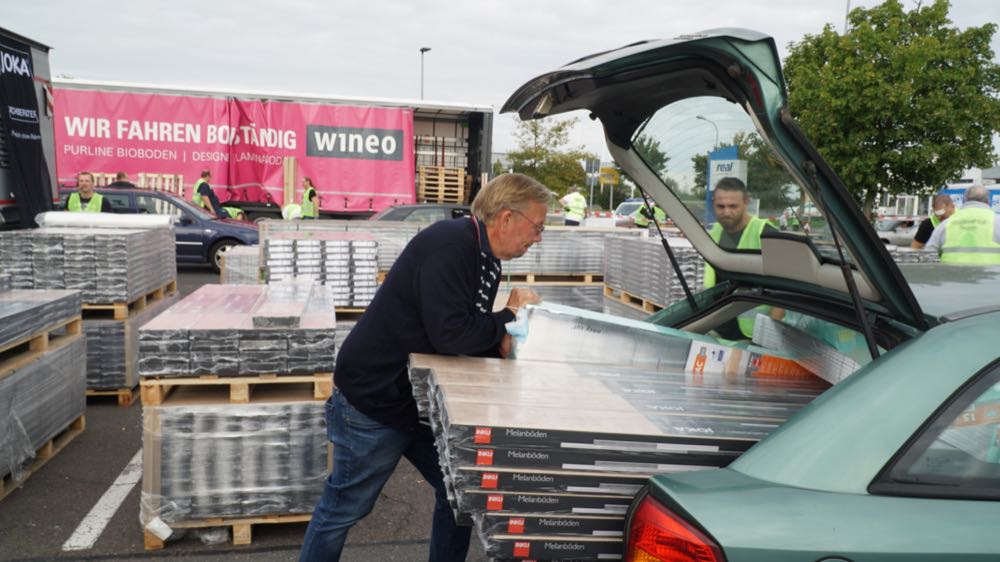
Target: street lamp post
(422, 51)
(703, 118)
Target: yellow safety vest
(309, 209)
(576, 207)
(642, 221)
(749, 240)
(968, 238)
(73, 204)
(196, 198)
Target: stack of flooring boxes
(241, 266)
(42, 379)
(124, 276)
(638, 274)
(545, 453)
(234, 379)
(346, 262)
(390, 236)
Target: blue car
(201, 238)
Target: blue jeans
(365, 454)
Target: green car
(900, 459)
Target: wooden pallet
(43, 454)
(441, 185)
(555, 278)
(154, 391)
(124, 310)
(635, 302)
(242, 527)
(125, 396)
(20, 352)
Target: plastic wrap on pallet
(241, 266)
(6, 282)
(232, 460)
(107, 265)
(113, 347)
(640, 267)
(906, 255)
(102, 220)
(282, 328)
(39, 400)
(391, 236)
(347, 262)
(569, 250)
(27, 312)
(587, 297)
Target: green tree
(543, 152)
(767, 179)
(902, 103)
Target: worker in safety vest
(205, 198)
(641, 215)
(736, 229)
(943, 207)
(310, 200)
(87, 200)
(972, 235)
(574, 207)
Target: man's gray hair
(977, 193)
(508, 191)
(941, 200)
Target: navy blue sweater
(437, 298)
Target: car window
(148, 204)
(626, 209)
(694, 143)
(958, 453)
(425, 215)
(119, 202)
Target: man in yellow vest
(641, 215)
(972, 235)
(310, 200)
(205, 198)
(86, 200)
(735, 229)
(574, 207)
(943, 207)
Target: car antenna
(845, 268)
(669, 250)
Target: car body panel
(947, 289)
(623, 88)
(756, 520)
(898, 232)
(422, 213)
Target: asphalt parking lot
(59, 510)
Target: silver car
(898, 232)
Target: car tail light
(658, 534)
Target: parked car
(625, 210)
(422, 212)
(901, 460)
(200, 237)
(899, 232)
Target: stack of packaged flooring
(107, 265)
(906, 255)
(113, 346)
(641, 268)
(616, 307)
(346, 262)
(545, 457)
(6, 283)
(390, 236)
(569, 250)
(42, 383)
(282, 328)
(241, 266)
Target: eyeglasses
(539, 228)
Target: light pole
(422, 51)
(703, 118)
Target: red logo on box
(494, 502)
(490, 481)
(484, 436)
(484, 457)
(522, 549)
(515, 525)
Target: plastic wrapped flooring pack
(24, 313)
(225, 330)
(641, 268)
(108, 265)
(906, 255)
(569, 250)
(391, 236)
(113, 347)
(587, 297)
(40, 399)
(538, 449)
(346, 262)
(206, 460)
(241, 266)
(6, 283)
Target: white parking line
(86, 534)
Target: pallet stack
(346, 262)
(439, 184)
(240, 266)
(639, 279)
(233, 383)
(124, 276)
(42, 379)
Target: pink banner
(359, 158)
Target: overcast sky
(481, 51)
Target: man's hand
(521, 297)
(505, 346)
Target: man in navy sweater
(437, 298)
